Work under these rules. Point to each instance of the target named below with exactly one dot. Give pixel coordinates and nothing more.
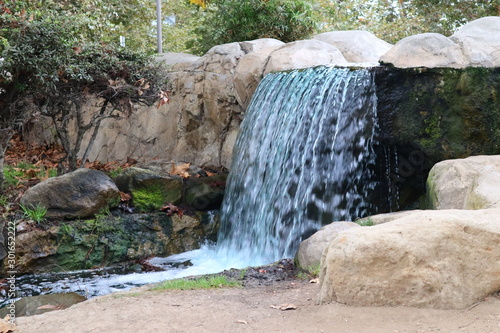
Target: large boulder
(304, 54)
(425, 50)
(249, 72)
(469, 183)
(78, 194)
(446, 259)
(150, 191)
(480, 41)
(356, 45)
(310, 250)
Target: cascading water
(302, 159)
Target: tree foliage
(225, 21)
(51, 67)
(393, 20)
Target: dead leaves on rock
(180, 170)
(170, 209)
(6, 325)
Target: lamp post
(158, 26)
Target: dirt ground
(253, 308)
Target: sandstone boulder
(425, 50)
(310, 250)
(81, 193)
(480, 41)
(304, 54)
(469, 183)
(249, 72)
(356, 45)
(447, 259)
(177, 61)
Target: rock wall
(209, 94)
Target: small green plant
(12, 175)
(115, 172)
(207, 282)
(365, 222)
(311, 272)
(4, 200)
(36, 212)
(243, 273)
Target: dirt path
(250, 310)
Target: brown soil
(254, 308)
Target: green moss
(149, 199)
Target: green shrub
(225, 22)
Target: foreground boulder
(447, 259)
(469, 183)
(78, 194)
(310, 250)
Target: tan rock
(356, 45)
(310, 250)
(480, 41)
(425, 50)
(470, 183)
(304, 54)
(447, 259)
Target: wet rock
(470, 183)
(150, 190)
(109, 240)
(205, 193)
(78, 194)
(34, 305)
(445, 259)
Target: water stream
(303, 158)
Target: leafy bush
(50, 65)
(226, 21)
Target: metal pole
(158, 26)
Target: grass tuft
(206, 282)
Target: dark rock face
(427, 115)
(108, 240)
(205, 193)
(79, 194)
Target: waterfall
(302, 159)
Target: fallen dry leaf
(6, 326)
(242, 322)
(124, 197)
(284, 307)
(180, 170)
(50, 307)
